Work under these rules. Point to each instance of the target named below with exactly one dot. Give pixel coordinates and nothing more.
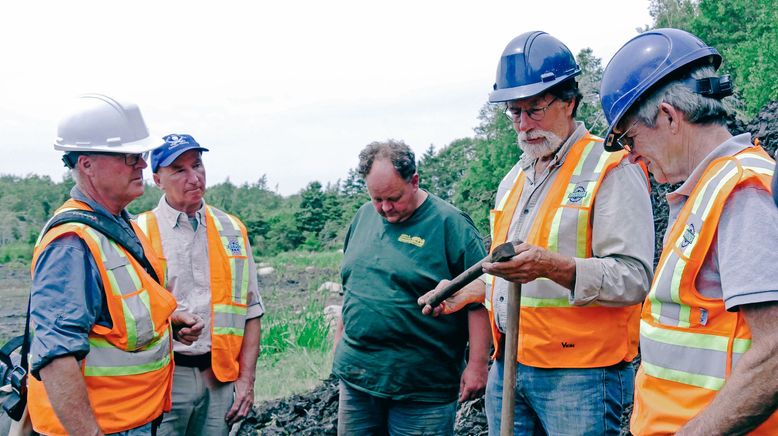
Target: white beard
(550, 144)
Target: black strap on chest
(110, 228)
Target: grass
(302, 259)
(16, 251)
(295, 354)
(296, 342)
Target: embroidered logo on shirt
(233, 246)
(413, 240)
(577, 195)
(688, 236)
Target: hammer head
(503, 252)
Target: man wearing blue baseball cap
(211, 273)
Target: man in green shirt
(401, 372)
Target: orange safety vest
(229, 270)
(128, 371)
(689, 344)
(554, 333)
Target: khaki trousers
(200, 402)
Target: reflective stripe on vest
(230, 319)
(106, 360)
(695, 357)
(234, 245)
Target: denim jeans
(578, 401)
(363, 414)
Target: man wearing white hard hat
(100, 353)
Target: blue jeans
(363, 414)
(579, 401)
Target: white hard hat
(99, 123)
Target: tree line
(465, 172)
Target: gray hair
(697, 108)
(397, 152)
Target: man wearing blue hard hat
(585, 215)
(709, 327)
(211, 272)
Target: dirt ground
(14, 289)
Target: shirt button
(502, 299)
(526, 211)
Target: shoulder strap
(108, 228)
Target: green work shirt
(389, 349)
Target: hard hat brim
(527, 91)
(140, 146)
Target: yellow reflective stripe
(583, 227)
(693, 340)
(143, 222)
(228, 331)
(675, 292)
(584, 154)
(553, 237)
(601, 163)
(103, 371)
(544, 302)
(228, 308)
(702, 381)
(131, 325)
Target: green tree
(590, 110)
(495, 151)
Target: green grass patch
(296, 351)
(302, 259)
(17, 251)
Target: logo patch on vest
(577, 195)
(567, 345)
(688, 236)
(233, 246)
(413, 240)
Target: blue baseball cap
(175, 145)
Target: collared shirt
(619, 272)
(67, 296)
(189, 274)
(739, 266)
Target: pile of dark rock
(316, 412)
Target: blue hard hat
(175, 145)
(530, 64)
(643, 62)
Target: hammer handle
(458, 283)
(509, 360)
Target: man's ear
(85, 164)
(673, 116)
(415, 180)
(157, 180)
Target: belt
(201, 361)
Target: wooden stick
(509, 359)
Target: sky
(288, 89)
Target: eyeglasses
(536, 113)
(130, 159)
(623, 141)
